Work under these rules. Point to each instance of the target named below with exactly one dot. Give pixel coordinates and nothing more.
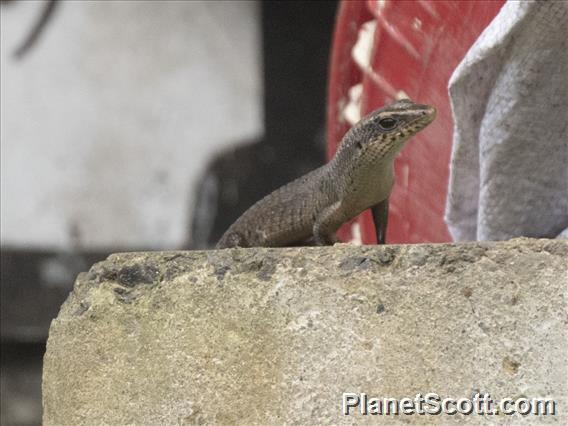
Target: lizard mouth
(426, 116)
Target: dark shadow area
(20, 383)
(34, 285)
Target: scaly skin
(360, 176)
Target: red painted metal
(415, 48)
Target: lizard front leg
(380, 218)
(327, 222)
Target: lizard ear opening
(388, 123)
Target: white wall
(108, 122)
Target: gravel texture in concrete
(274, 336)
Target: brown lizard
(360, 176)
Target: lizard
(358, 177)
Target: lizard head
(387, 129)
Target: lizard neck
(362, 177)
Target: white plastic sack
(509, 167)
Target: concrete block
(277, 336)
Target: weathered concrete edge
(135, 273)
(255, 259)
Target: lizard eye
(387, 123)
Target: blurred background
(140, 125)
(152, 125)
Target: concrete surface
(274, 336)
